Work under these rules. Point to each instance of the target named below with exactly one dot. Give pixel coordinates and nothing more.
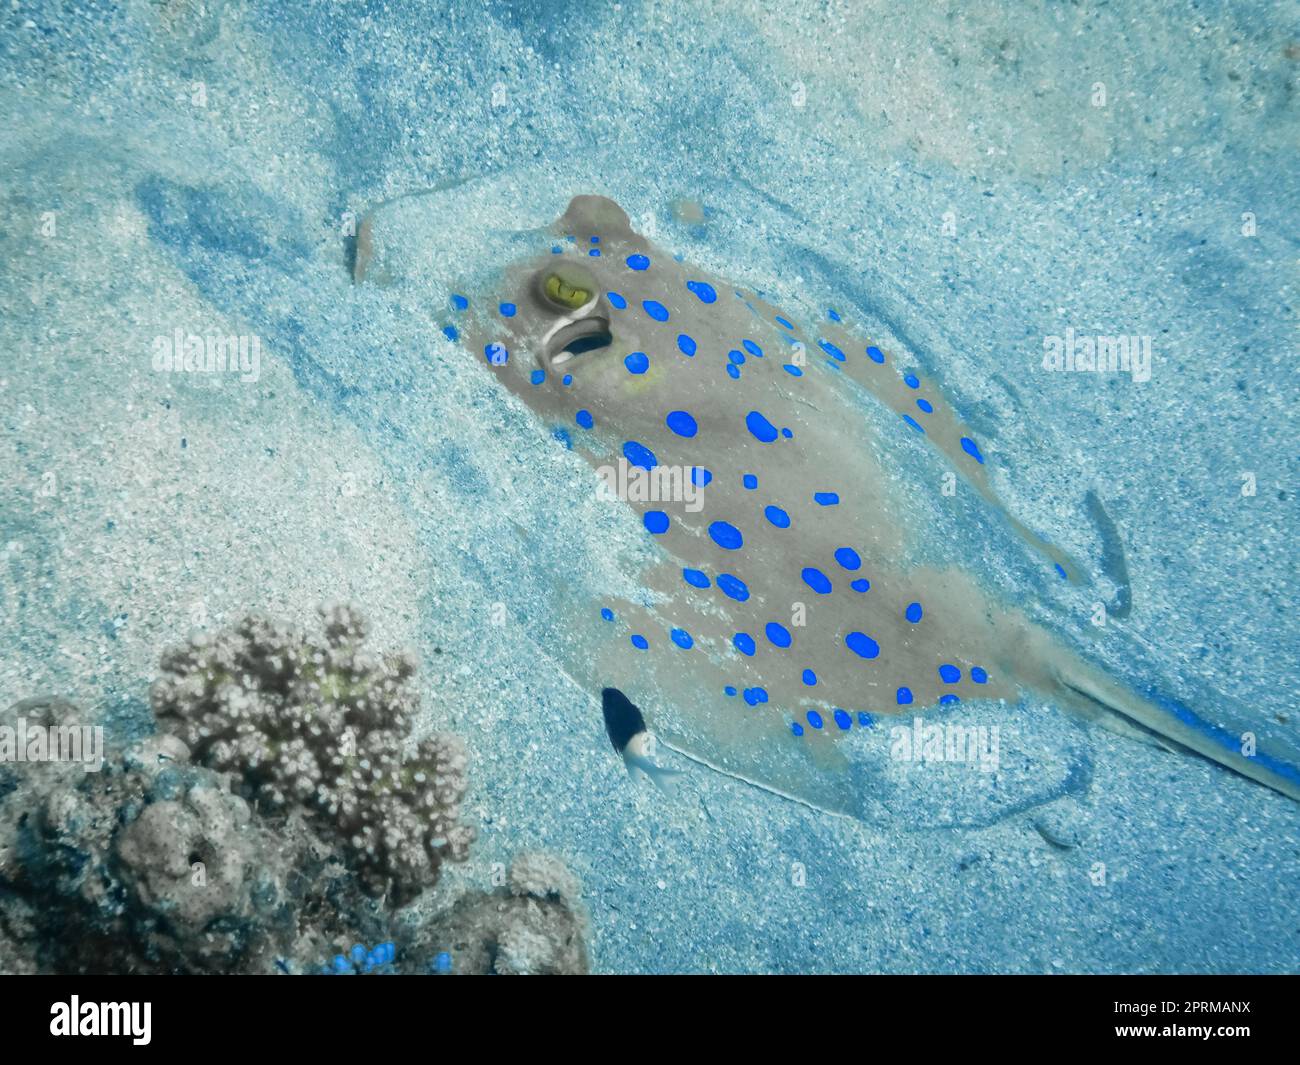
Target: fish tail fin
(665, 780)
(1096, 695)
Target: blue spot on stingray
(750, 481)
(911, 380)
(703, 291)
(861, 585)
(778, 634)
(814, 718)
(876, 355)
(826, 499)
(913, 423)
(744, 643)
(832, 314)
(925, 406)
(729, 690)
(737, 357)
(537, 376)
(972, 449)
(864, 719)
(816, 580)
(595, 240)
(616, 300)
(1061, 570)
(831, 350)
(507, 310)
(733, 372)
(792, 370)
(979, 675)
(606, 613)
(752, 348)
(681, 423)
(947, 700)
(556, 249)
(695, 578)
(451, 332)
(584, 419)
(640, 642)
(726, 535)
(562, 435)
(903, 696)
(637, 362)
(594, 253)
(639, 455)
(733, 587)
(782, 321)
(760, 427)
(459, 302)
(686, 344)
(656, 522)
(810, 678)
(949, 674)
(862, 645)
(848, 558)
(796, 728)
(777, 516)
(497, 354)
(913, 612)
(843, 720)
(637, 262)
(786, 433)
(655, 310)
(754, 696)
(700, 477)
(566, 380)
(681, 638)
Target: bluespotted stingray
(784, 611)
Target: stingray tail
(1098, 695)
(664, 779)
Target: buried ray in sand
(786, 609)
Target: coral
(534, 926)
(325, 724)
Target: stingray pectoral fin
(1089, 690)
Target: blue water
(964, 186)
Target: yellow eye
(571, 296)
(566, 287)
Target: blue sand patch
(733, 587)
(562, 435)
(639, 455)
(726, 536)
(816, 580)
(760, 427)
(681, 423)
(777, 516)
(862, 645)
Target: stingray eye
(567, 288)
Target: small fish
(628, 734)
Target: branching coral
(324, 723)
